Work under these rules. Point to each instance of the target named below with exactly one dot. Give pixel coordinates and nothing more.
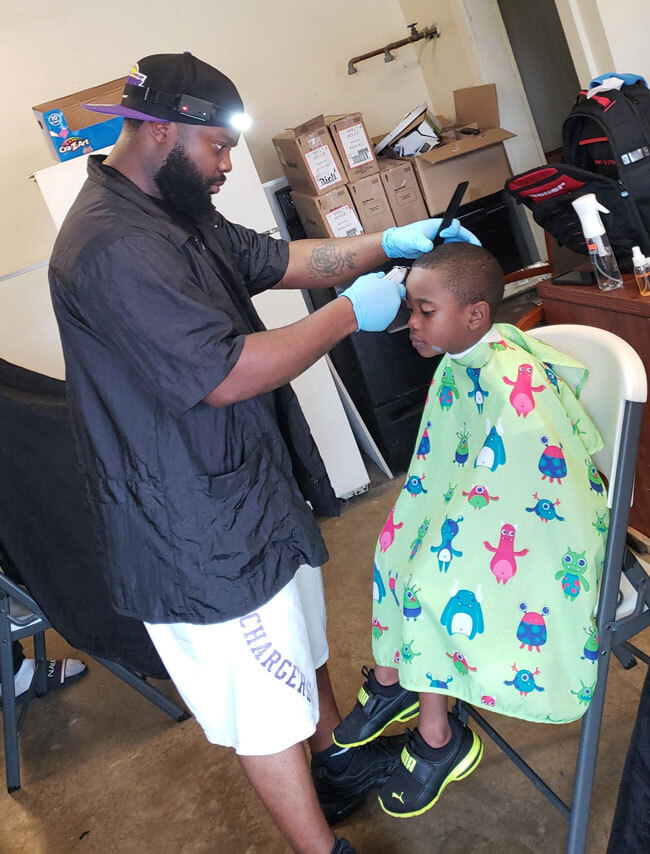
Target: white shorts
(251, 682)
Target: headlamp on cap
(241, 121)
(203, 111)
(153, 87)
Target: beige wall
(447, 63)
(288, 59)
(607, 36)
(627, 27)
(585, 37)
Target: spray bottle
(608, 276)
(641, 271)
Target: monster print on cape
(486, 571)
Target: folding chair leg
(586, 764)
(41, 664)
(9, 721)
(614, 557)
(143, 687)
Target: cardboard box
(402, 191)
(309, 158)
(331, 214)
(70, 130)
(353, 145)
(487, 169)
(371, 203)
(480, 159)
(417, 133)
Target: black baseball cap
(178, 87)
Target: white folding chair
(613, 396)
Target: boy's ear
(479, 314)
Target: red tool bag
(606, 144)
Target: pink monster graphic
(503, 565)
(521, 396)
(387, 535)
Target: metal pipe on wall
(432, 32)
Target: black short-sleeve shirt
(200, 511)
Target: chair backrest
(616, 375)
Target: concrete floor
(104, 771)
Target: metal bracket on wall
(432, 32)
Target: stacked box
(402, 191)
(309, 158)
(353, 145)
(324, 155)
(371, 203)
(330, 214)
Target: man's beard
(182, 186)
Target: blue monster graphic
(378, 589)
(493, 453)
(551, 376)
(524, 681)
(478, 394)
(445, 551)
(532, 630)
(545, 509)
(552, 463)
(425, 444)
(440, 683)
(414, 485)
(463, 614)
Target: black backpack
(606, 145)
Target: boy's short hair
(470, 273)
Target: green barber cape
(486, 570)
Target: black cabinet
(388, 383)
(494, 220)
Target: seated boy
(486, 571)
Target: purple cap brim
(119, 110)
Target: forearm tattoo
(327, 260)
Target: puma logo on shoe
(399, 797)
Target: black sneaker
(342, 794)
(418, 783)
(373, 712)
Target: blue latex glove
(375, 301)
(629, 79)
(416, 238)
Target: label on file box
(356, 145)
(322, 166)
(344, 222)
(405, 196)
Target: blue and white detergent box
(70, 130)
